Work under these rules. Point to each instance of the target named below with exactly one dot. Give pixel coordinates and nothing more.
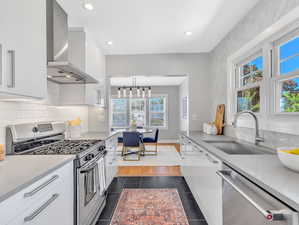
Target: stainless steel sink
(237, 148)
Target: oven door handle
(88, 169)
(270, 215)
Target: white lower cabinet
(199, 169)
(111, 159)
(46, 202)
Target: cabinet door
(199, 169)
(111, 159)
(23, 41)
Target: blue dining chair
(152, 140)
(131, 139)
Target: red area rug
(149, 207)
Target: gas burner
(65, 147)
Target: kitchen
(56, 125)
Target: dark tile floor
(194, 215)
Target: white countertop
(18, 172)
(264, 170)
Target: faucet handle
(259, 139)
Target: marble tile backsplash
(273, 139)
(23, 112)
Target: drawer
(55, 207)
(25, 198)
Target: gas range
(49, 139)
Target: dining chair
(152, 140)
(131, 139)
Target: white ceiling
(148, 81)
(158, 26)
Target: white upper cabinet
(23, 57)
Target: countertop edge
(33, 180)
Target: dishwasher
(245, 203)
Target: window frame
(165, 112)
(278, 78)
(147, 111)
(112, 113)
(237, 78)
(130, 110)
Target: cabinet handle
(42, 208)
(42, 186)
(211, 159)
(11, 56)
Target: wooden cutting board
(219, 121)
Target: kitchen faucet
(258, 138)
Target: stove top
(64, 147)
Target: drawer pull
(42, 186)
(211, 159)
(41, 209)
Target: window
(157, 112)
(119, 113)
(287, 73)
(252, 72)
(249, 77)
(289, 57)
(137, 112)
(150, 112)
(249, 99)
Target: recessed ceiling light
(68, 76)
(188, 33)
(88, 6)
(109, 43)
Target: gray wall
(173, 110)
(264, 14)
(196, 66)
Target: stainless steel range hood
(60, 69)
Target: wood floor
(142, 171)
(125, 171)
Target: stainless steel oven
(91, 194)
(244, 203)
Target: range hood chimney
(60, 69)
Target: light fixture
(109, 43)
(138, 92)
(122, 91)
(149, 92)
(188, 33)
(131, 93)
(68, 76)
(88, 5)
(119, 93)
(50, 76)
(143, 93)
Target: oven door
(90, 192)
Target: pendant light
(143, 93)
(124, 92)
(119, 93)
(149, 92)
(131, 93)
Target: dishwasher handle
(270, 215)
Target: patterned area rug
(149, 207)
